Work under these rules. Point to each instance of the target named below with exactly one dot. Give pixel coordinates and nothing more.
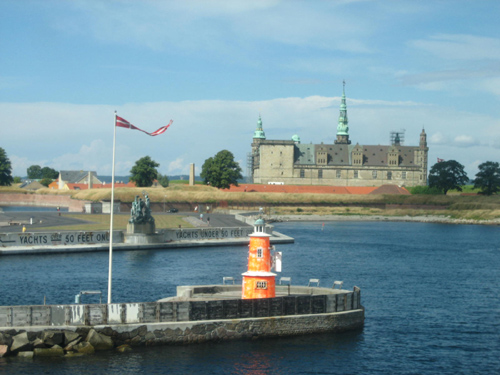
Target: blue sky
(214, 66)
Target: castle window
(320, 173)
(302, 173)
(374, 174)
(389, 175)
(356, 174)
(259, 252)
(261, 285)
(403, 175)
(339, 173)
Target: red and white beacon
(259, 281)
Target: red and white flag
(122, 123)
(440, 160)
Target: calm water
(431, 294)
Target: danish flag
(122, 123)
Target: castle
(340, 164)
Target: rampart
(43, 201)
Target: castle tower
(423, 152)
(259, 281)
(343, 125)
(254, 159)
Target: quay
(234, 231)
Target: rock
(70, 337)
(3, 350)
(73, 354)
(20, 343)
(124, 348)
(52, 338)
(25, 355)
(5, 339)
(84, 347)
(55, 351)
(98, 341)
(70, 345)
(39, 344)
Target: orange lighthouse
(259, 281)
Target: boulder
(52, 338)
(3, 350)
(5, 339)
(20, 343)
(71, 344)
(55, 351)
(84, 347)
(38, 343)
(99, 341)
(124, 348)
(25, 355)
(70, 337)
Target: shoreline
(416, 219)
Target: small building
(31, 185)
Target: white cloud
(460, 47)
(438, 139)
(465, 141)
(177, 167)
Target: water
(430, 293)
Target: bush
(300, 209)
(425, 190)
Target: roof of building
(318, 189)
(75, 176)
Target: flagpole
(110, 274)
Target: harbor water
(431, 293)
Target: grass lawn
(101, 222)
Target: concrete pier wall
(178, 311)
(182, 322)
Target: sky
(214, 66)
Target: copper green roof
(259, 132)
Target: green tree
(34, 172)
(49, 173)
(488, 178)
(17, 180)
(46, 181)
(448, 175)
(5, 169)
(144, 172)
(221, 171)
(163, 180)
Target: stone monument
(141, 221)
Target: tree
(221, 171)
(17, 180)
(49, 173)
(144, 172)
(163, 180)
(46, 181)
(34, 172)
(488, 178)
(5, 169)
(446, 175)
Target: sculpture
(141, 211)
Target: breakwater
(181, 322)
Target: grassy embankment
(452, 205)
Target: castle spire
(343, 125)
(259, 132)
